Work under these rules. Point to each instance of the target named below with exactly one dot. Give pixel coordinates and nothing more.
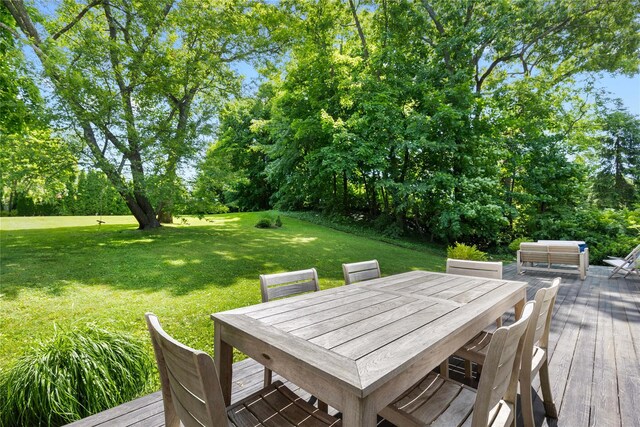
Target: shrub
(265, 223)
(462, 251)
(268, 221)
(515, 245)
(75, 374)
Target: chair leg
(444, 368)
(526, 399)
(267, 376)
(468, 369)
(545, 385)
(323, 406)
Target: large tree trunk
(142, 211)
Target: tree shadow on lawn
(178, 259)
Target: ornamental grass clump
(462, 251)
(75, 374)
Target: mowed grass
(70, 271)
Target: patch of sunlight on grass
(226, 255)
(39, 222)
(303, 239)
(130, 242)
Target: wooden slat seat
(440, 401)
(192, 395)
(360, 271)
(535, 353)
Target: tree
(234, 169)
(617, 181)
(141, 81)
(33, 163)
(448, 119)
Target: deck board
(594, 357)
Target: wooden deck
(595, 357)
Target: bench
(532, 256)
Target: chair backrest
(191, 391)
(491, 270)
(360, 271)
(633, 255)
(540, 324)
(279, 285)
(564, 254)
(499, 380)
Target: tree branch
(433, 16)
(75, 20)
(354, 12)
(445, 51)
(20, 14)
(494, 64)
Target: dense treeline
(449, 120)
(87, 193)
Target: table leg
(223, 359)
(519, 307)
(358, 413)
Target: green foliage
(265, 223)
(75, 374)
(92, 194)
(462, 251)
(617, 180)
(423, 123)
(34, 163)
(269, 221)
(514, 246)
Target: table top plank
(472, 294)
(270, 308)
(389, 333)
(333, 315)
(367, 325)
(339, 305)
(459, 286)
(435, 283)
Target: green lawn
(67, 270)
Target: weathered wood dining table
(358, 347)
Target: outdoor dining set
(377, 348)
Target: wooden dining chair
(535, 357)
(437, 400)
(489, 270)
(360, 271)
(192, 395)
(280, 285)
